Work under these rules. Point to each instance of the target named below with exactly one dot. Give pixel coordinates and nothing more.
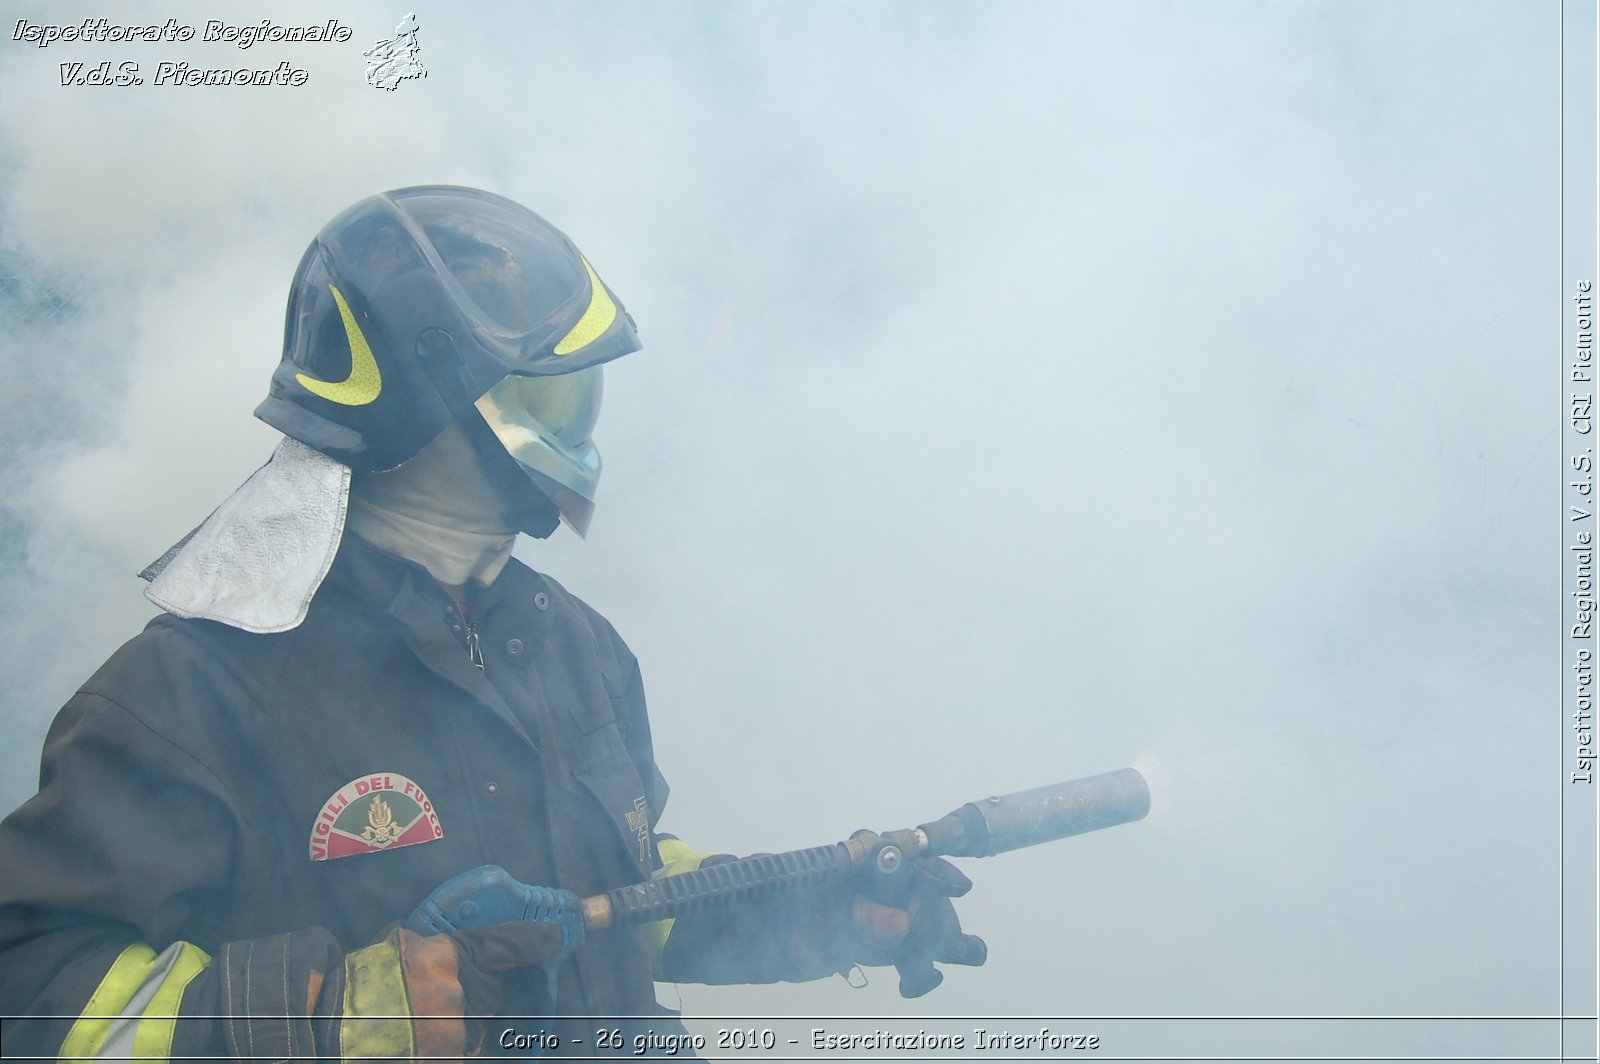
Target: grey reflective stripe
(119, 1039)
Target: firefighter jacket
(210, 786)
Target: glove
(795, 937)
(489, 895)
(904, 918)
(934, 933)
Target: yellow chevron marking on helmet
(596, 319)
(364, 382)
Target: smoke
(1028, 390)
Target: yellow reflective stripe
(596, 319)
(377, 1012)
(153, 1040)
(677, 857)
(127, 974)
(126, 992)
(655, 939)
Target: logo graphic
(382, 812)
(392, 61)
(364, 382)
(639, 824)
(381, 829)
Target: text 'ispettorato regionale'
(178, 72)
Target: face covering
(439, 510)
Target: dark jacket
(182, 787)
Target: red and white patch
(380, 812)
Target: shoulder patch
(379, 812)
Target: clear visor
(546, 424)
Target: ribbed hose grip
(688, 892)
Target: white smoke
(1028, 390)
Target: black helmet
(412, 304)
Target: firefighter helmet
(411, 305)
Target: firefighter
(354, 693)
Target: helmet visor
(547, 424)
(505, 265)
(521, 277)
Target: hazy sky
(1029, 390)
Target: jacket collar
(379, 582)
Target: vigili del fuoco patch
(378, 812)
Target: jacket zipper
(462, 623)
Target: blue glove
(489, 895)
